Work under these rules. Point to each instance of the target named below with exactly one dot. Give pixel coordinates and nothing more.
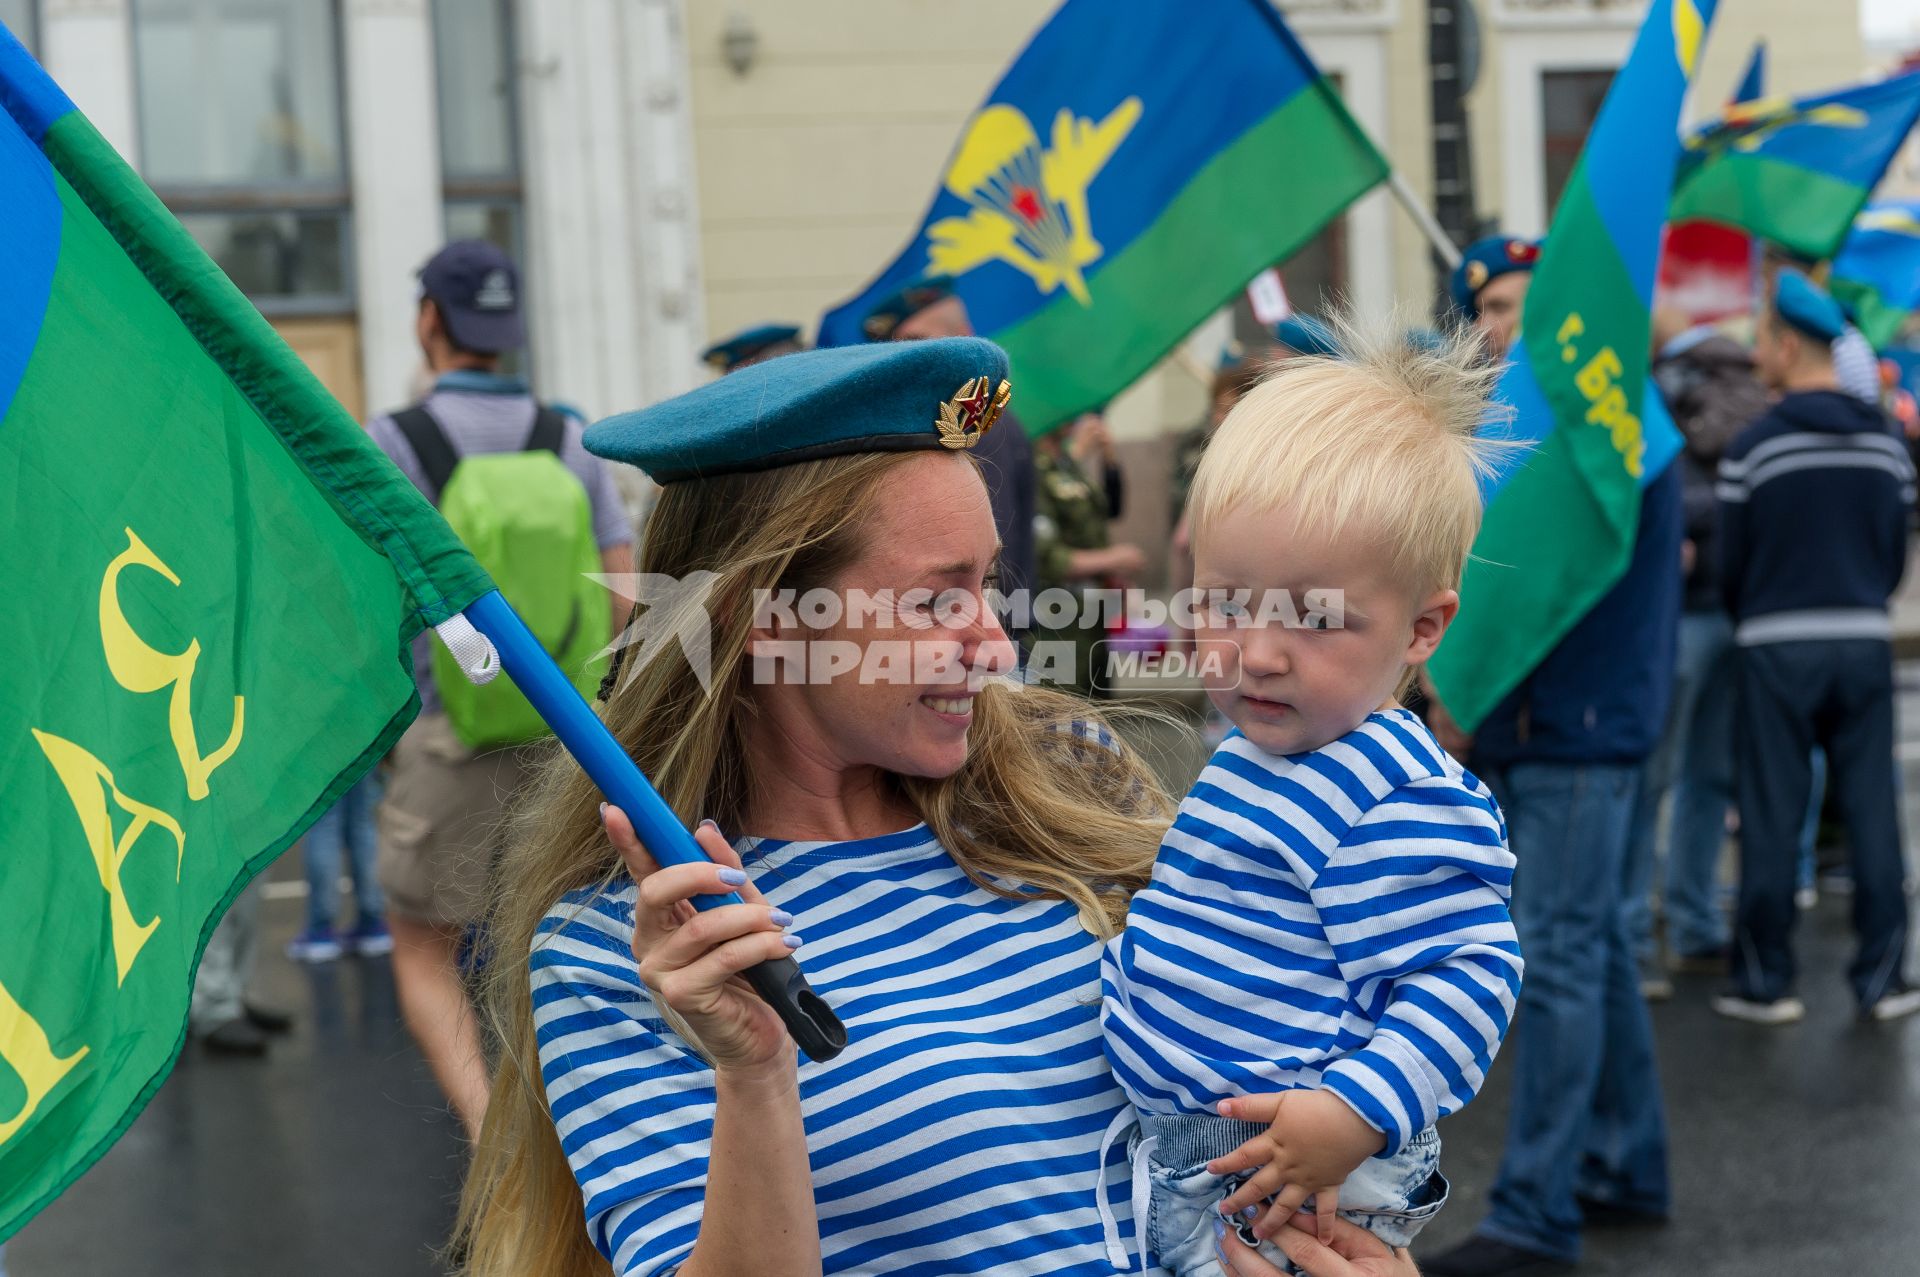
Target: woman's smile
(954, 709)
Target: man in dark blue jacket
(1814, 499)
(1565, 754)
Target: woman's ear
(1430, 624)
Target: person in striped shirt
(953, 848)
(1323, 963)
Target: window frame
(296, 196)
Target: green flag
(1131, 171)
(211, 580)
(1797, 172)
(1559, 529)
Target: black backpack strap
(430, 445)
(549, 431)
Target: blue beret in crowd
(1305, 335)
(763, 342)
(1806, 308)
(1485, 261)
(890, 397)
(898, 307)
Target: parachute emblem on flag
(1895, 220)
(1028, 204)
(1748, 126)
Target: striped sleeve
(1414, 904)
(632, 1105)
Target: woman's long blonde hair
(1036, 803)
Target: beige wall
(816, 164)
(1809, 47)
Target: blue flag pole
(780, 982)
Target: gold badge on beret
(971, 412)
(1476, 276)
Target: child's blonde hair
(1381, 442)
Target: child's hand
(1316, 1140)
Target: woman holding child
(956, 851)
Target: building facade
(668, 170)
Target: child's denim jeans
(1391, 1197)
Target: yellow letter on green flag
(211, 579)
(1559, 529)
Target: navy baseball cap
(477, 290)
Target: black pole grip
(783, 986)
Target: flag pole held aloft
(780, 981)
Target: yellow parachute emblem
(1028, 205)
(1747, 126)
(1897, 220)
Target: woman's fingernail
(708, 824)
(733, 877)
(1219, 1227)
(603, 811)
(781, 918)
(1249, 1212)
(792, 942)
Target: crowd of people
(1085, 1020)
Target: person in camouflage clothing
(1073, 551)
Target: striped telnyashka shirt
(1335, 919)
(954, 1134)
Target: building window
(241, 134)
(19, 17)
(1569, 104)
(479, 147)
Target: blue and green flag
(1561, 518)
(1877, 271)
(212, 577)
(1133, 169)
(1797, 171)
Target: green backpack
(526, 518)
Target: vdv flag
(1133, 169)
(212, 577)
(1561, 520)
(1797, 171)
(1877, 271)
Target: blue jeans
(1586, 1119)
(1391, 1197)
(349, 824)
(1702, 733)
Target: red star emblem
(1026, 203)
(972, 407)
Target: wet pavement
(1794, 1150)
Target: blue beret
(1806, 308)
(730, 352)
(1305, 335)
(1486, 260)
(883, 397)
(909, 300)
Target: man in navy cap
(1490, 287)
(927, 308)
(438, 822)
(751, 346)
(1814, 502)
